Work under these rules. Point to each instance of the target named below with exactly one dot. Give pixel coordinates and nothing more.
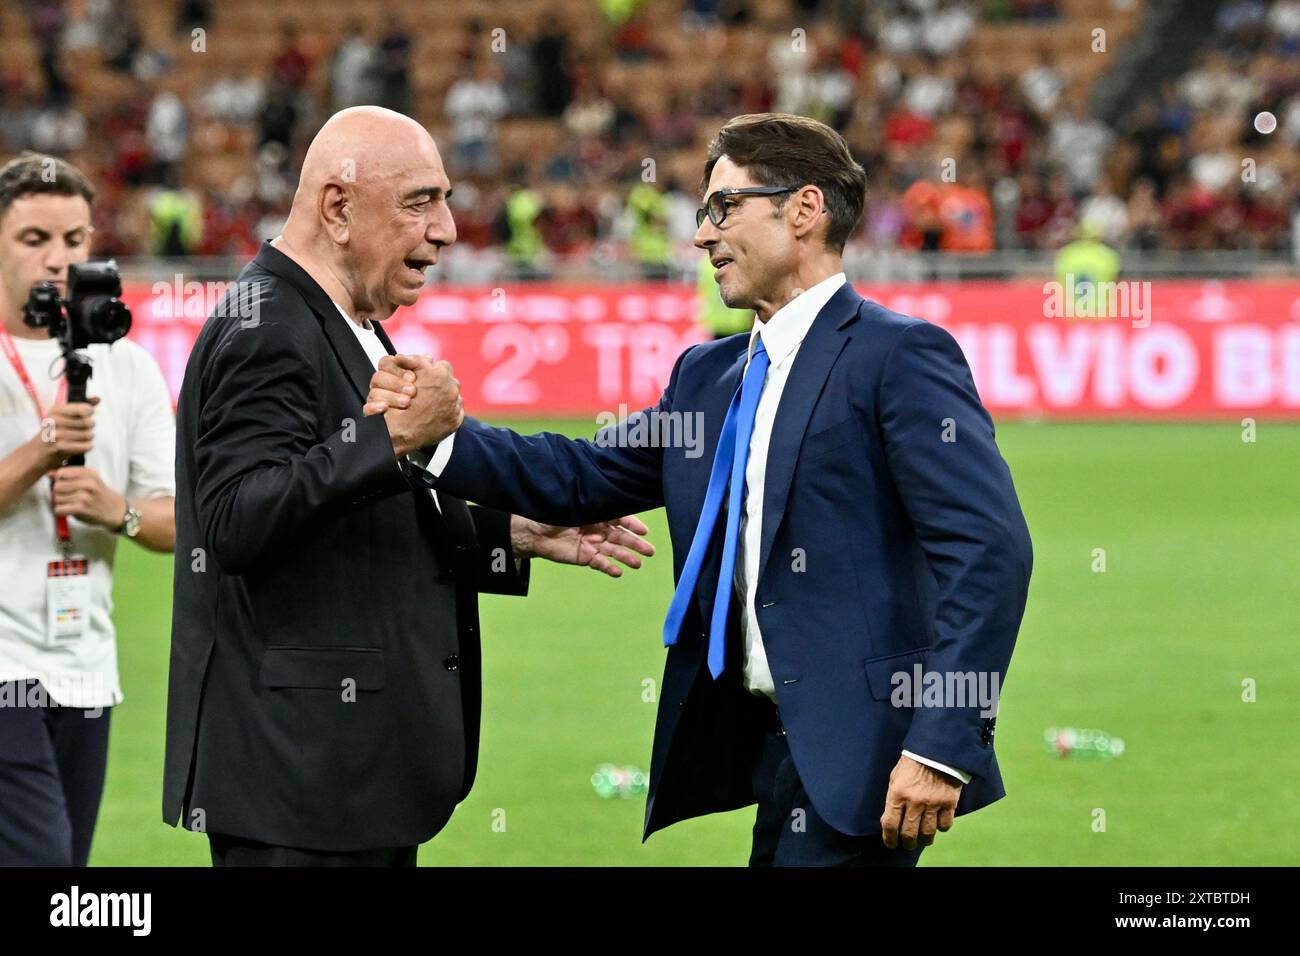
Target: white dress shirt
(375, 350)
(782, 335)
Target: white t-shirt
(135, 454)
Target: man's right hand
(67, 429)
(419, 399)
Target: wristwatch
(130, 525)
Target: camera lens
(108, 320)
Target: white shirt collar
(789, 325)
(352, 323)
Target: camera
(92, 314)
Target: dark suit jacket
(891, 536)
(324, 689)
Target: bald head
(370, 213)
(362, 145)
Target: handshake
(419, 399)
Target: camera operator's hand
(68, 429)
(79, 492)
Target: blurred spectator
(274, 181)
(120, 40)
(946, 26)
(930, 92)
(1043, 84)
(550, 57)
(279, 117)
(17, 113)
(647, 211)
(632, 40)
(193, 15)
(175, 221)
(1105, 213)
(1145, 222)
(567, 225)
(523, 238)
(474, 104)
(395, 67)
(90, 25)
(519, 72)
(233, 100)
(965, 213)
(354, 69)
(291, 66)
(1078, 141)
(590, 114)
(1086, 261)
(167, 133)
(59, 128)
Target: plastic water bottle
(611, 780)
(1086, 744)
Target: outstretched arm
(546, 477)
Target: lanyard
(20, 369)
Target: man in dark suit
(323, 704)
(850, 534)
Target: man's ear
(336, 211)
(809, 204)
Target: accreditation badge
(67, 599)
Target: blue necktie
(728, 465)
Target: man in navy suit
(850, 535)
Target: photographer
(60, 523)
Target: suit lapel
(349, 351)
(812, 366)
(342, 340)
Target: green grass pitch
(1201, 533)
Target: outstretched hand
(597, 546)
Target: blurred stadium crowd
(574, 130)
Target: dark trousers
(787, 828)
(52, 763)
(237, 851)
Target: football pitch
(1198, 607)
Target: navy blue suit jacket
(891, 536)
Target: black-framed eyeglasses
(715, 207)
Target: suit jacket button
(451, 663)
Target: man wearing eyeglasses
(850, 525)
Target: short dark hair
(37, 173)
(782, 149)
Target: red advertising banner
(1221, 349)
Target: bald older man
(323, 703)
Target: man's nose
(442, 230)
(706, 236)
(56, 261)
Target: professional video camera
(92, 314)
